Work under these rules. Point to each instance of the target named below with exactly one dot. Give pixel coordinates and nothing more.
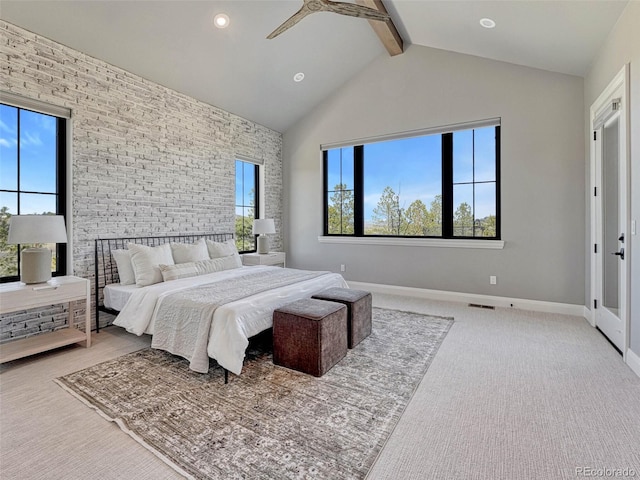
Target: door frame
(619, 82)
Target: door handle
(620, 253)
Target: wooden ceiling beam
(386, 31)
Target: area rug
(269, 422)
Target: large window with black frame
(247, 208)
(32, 179)
(440, 183)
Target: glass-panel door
(610, 219)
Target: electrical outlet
(493, 280)
(343, 268)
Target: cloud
(5, 128)
(30, 139)
(6, 143)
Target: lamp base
(36, 265)
(263, 244)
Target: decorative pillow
(125, 269)
(217, 264)
(146, 260)
(189, 252)
(224, 249)
(192, 269)
(179, 270)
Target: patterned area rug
(269, 422)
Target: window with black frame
(32, 179)
(439, 184)
(246, 205)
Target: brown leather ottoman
(310, 335)
(358, 304)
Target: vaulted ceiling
(174, 42)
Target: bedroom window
(440, 183)
(247, 207)
(32, 178)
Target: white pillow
(224, 249)
(189, 252)
(125, 269)
(146, 260)
(192, 269)
(218, 264)
(179, 270)
(221, 249)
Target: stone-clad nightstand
(277, 259)
(17, 296)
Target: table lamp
(38, 229)
(262, 227)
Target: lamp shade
(28, 229)
(263, 225)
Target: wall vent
(477, 305)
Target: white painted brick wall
(145, 159)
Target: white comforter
(233, 323)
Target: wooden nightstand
(277, 259)
(17, 296)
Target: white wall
(623, 46)
(542, 176)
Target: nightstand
(272, 258)
(18, 296)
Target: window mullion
(498, 211)
(256, 191)
(447, 185)
(61, 185)
(358, 190)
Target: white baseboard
(633, 361)
(520, 303)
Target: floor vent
(477, 305)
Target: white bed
(232, 324)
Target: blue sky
(245, 181)
(37, 160)
(412, 168)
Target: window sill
(414, 242)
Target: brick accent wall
(145, 159)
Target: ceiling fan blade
(290, 22)
(354, 10)
(343, 8)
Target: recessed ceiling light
(487, 23)
(298, 77)
(221, 20)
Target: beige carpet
(516, 395)
(270, 422)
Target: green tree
(340, 211)
(245, 239)
(388, 215)
(8, 253)
(463, 221)
(434, 219)
(244, 236)
(416, 219)
(486, 227)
